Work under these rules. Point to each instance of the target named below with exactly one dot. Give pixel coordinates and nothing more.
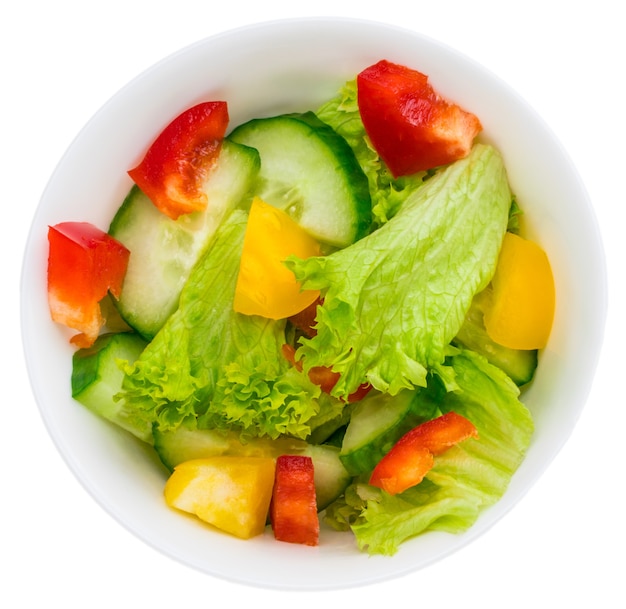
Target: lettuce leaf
(388, 193)
(394, 300)
(464, 480)
(212, 367)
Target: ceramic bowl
(294, 65)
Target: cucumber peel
(380, 420)
(185, 444)
(311, 173)
(97, 378)
(163, 251)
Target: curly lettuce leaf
(216, 368)
(465, 480)
(394, 300)
(388, 193)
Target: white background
(562, 545)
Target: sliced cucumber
(184, 444)
(519, 364)
(379, 421)
(373, 429)
(97, 378)
(163, 251)
(331, 476)
(310, 171)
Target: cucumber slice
(379, 420)
(373, 429)
(519, 364)
(310, 172)
(184, 444)
(97, 378)
(163, 251)
(331, 476)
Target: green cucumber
(97, 378)
(519, 364)
(184, 444)
(163, 251)
(311, 173)
(331, 476)
(380, 420)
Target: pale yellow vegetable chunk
(265, 286)
(230, 493)
(520, 312)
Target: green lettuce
(394, 300)
(465, 480)
(388, 193)
(211, 367)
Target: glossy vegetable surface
(84, 264)
(293, 510)
(521, 309)
(231, 493)
(265, 286)
(412, 456)
(411, 126)
(178, 162)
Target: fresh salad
(319, 317)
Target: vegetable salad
(327, 317)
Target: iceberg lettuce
(394, 300)
(214, 368)
(392, 304)
(466, 479)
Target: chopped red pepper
(84, 263)
(409, 124)
(412, 456)
(177, 163)
(324, 377)
(293, 509)
(305, 319)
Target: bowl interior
(294, 66)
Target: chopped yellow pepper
(265, 286)
(230, 493)
(520, 312)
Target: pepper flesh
(324, 377)
(265, 286)
(177, 164)
(410, 125)
(293, 510)
(520, 310)
(412, 456)
(84, 264)
(230, 493)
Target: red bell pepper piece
(324, 377)
(177, 163)
(412, 456)
(293, 509)
(84, 263)
(410, 125)
(305, 319)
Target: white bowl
(295, 65)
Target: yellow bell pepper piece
(265, 286)
(230, 493)
(520, 312)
